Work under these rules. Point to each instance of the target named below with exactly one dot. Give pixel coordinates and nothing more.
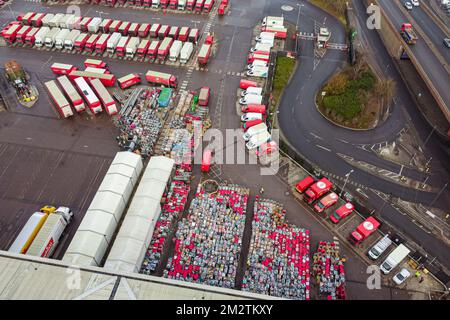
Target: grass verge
(283, 71)
(328, 7)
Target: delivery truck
(22, 33)
(46, 19)
(143, 48)
(26, 19)
(155, 4)
(152, 52)
(193, 35)
(91, 42)
(69, 42)
(265, 36)
(258, 55)
(47, 239)
(71, 93)
(163, 31)
(199, 5)
(317, 190)
(258, 71)
(109, 104)
(60, 101)
(186, 52)
(258, 108)
(39, 40)
(364, 230)
(28, 233)
(112, 42)
(54, 22)
(256, 63)
(258, 139)
(203, 96)
(394, 258)
(63, 23)
(259, 128)
(174, 32)
(181, 4)
(164, 3)
(121, 45)
(134, 29)
(175, 50)
(163, 50)
(114, 27)
(249, 124)
(107, 79)
(144, 30)
(80, 42)
(208, 5)
(131, 47)
(173, 4)
(85, 23)
(104, 26)
(94, 25)
(203, 54)
(50, 38)
(273, 21)
(62, 68)
(36, 21)
(76, 23)
(261, 47)
(251, 99)
(61, 38)
(251, 116)
(154, 30)
(88, 95)
(184, 34)
(408, 34)
(31, 36)
(252, 90)
(161, 78)
(10, 34)
(102, 41)
(129, 80)
(124, 27)
(279, 31)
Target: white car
(415, 3)
(400, 277)
(408, 5)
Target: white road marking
(323, 148)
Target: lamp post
(346, 180)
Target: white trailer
(273, 21)
(394, 258)
(55, 20)
(66, 22)
(72, 93)
(155, 4)
(109, 104)
(61, 38)
(28, 233)
(186, 52)
(46, 19)
(39, 38)
(51, 37)
(181, 4)
(131, 47)
(69, 43)
(48, 237)
(62, 23)
(94, 25)
(112, 42)
(175, 50)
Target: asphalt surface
(434, 69)
(319, 141)
(70, 138)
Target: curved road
(319, 141)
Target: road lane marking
(323, 148)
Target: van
(377, 250)
(257, 63)
(265, 36)
(251, 116)
(266, 47)
(258, 139)
(251, 99)
(256, 71)
(262, 127)
(394, 258)
(252, 90)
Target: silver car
(401, 276)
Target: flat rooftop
(26, 277)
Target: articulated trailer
(161, 78)
(69, 42)
(62, 105)
(89, 96)
(107, 101)
(31, 36)
(72, 93)
(129, 80)
(100, 46)
(107, 79)
(28, 233)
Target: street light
(346, 180)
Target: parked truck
(28, 233)
(91, 42)
(258, 139)
(394, 258)
(408, 34)
(143, 48)
(30, 37)
(100, 46)
(121, 45)
(154, 30)
(94, 25)
(317, 190)
(80, 42)
(161, 78)
(109, 104)
(163, 31)
(181, 4)
(208, 5)
(22, 33)
(36, 21)
(163, 50)
(124, 27)
(175, 50)
(50, 38)
(259, 128)
(152, 51)
(364, 230)
(190, 5)
(39, 40)
(131, 47)
(173, 4)
(61, 103)
(46, 19)
(84, 23)
(273, 21)
(11, 33)
(104, 26)
(129, 80)
(54, 22)
(193, 35)
(144, 30)
(61, 38)
(112, 42)
(114, 27)
(174, 32)
(258, 71)
(184, 34)
(88, 95)
(155, 4)
(71, 93)
(203, 54)
(186, 52)
(47, 239)
(134, 29)
(69, 42)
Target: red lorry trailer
(72, 93)
(184, 34)
(124, 27)
(129, 80)
(107, 101)
(203, 54)
(173, 4)
(163, 31)
(144, 29)
(88, 95)
(115, 25)
(245, 84)
(152, 51)
(190, 5)
(121, 45)
(208, 5)
(199, 5)
(164, 3)
(193, 36)
(61, 68)
(161, 78)
(106, 78)
(90, 43)
(154, 30)
(94, 63)
(80, 42)
(317, 190)
(84, 24)
(62, 105)
(164, 48)
(36, 21)
(134, 29)
(30, 37)
(102, 41)
(104, 26)
(364, 230)
(174, 32)
(22, 33)
(254, 108)
(143, 48)
(26, 19)
(11, 33)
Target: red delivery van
(245, 84)
(303, 185)
(247, 125)
(61, 68)
(161, 78)
(254, 108)
(129, 80)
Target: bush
(337, 84)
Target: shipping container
(62, 105)
(112, 42)
(152, 52)
(71, 93)
(69, 42)
(31, 36)
(28, 233)
(129, 80)
(154, 30)
(100, 46)
(161, 78)
(143, 48)
(80, 42)
(89, 96)
(163, 50)
(107, 79)
(186, 52)
(144, 29)
(184, 34)
(62, 68)
(107, 101)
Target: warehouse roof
(26, 277)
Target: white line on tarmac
(323, 148)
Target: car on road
(342, 212)
(408, 5)
(447, 42)
(415, 3)
(326, 202)
(401, 276)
